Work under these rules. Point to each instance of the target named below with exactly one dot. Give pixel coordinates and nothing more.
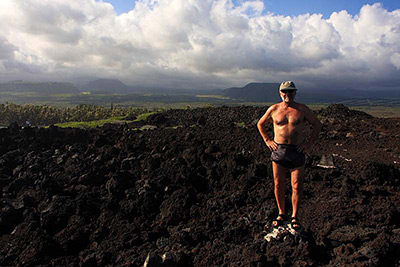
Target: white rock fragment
(326, 162)
(281, 232)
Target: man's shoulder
(274, 106)
(271, 109)
(306, 111)
(302, 106)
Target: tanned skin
(289, 118)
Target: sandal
(278, 222)
(295, 223)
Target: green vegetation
(176, 127)
(91, 124)
(113, 120)
(47, 115)
(240, 124)
(143, 117)
(147, 127)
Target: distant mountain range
(252, 92)
(268, 92)
(107, 86)
(43, 88)
(263, 92)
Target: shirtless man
(288, 147)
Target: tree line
(47, 115)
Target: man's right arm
(263, 131)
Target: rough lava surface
(196, 191)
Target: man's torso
(288, 124)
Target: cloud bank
(197, 44)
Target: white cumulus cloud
(196, 43)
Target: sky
(203, 44)
(289, 7)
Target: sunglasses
(288, 91)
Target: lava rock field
(196, 190)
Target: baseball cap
(287, 86)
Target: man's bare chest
(288, 118)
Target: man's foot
(279, 220)
(295, 223)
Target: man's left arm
(316, 129)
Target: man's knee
(279, 186)
(297, 186)
(279, 183)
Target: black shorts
(288, 156)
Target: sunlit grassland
(144, 116)
(91, 124)
(100, 123)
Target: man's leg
(279, 185)
(297, 179)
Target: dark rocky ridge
(199, 193)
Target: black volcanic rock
(195, 191)
(342, 112)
